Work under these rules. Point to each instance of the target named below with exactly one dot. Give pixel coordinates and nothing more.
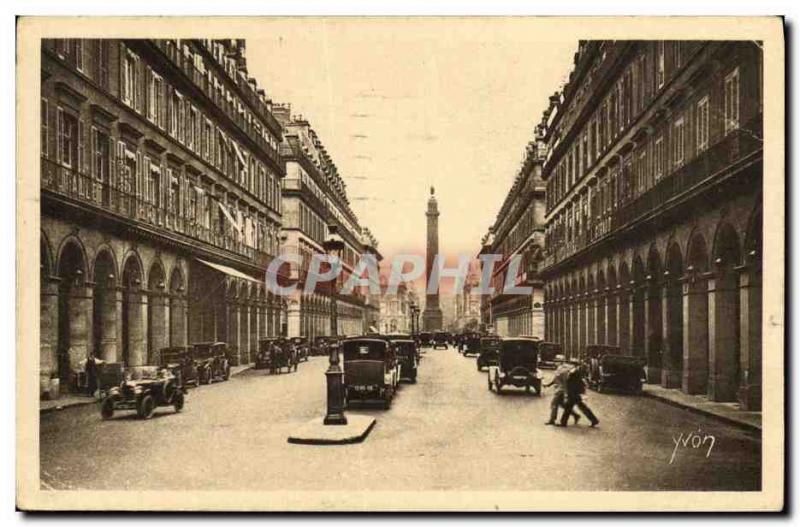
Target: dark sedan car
(407, 358)
(370, 370)
(517, 365)
(488, 351)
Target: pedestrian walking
(559, 398)
(575, 388)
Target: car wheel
(178, 401)
(107, 408)
(146, 407)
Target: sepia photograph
(400, 264)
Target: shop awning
(230, 271)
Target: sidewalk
(72, 400)
(728, 412)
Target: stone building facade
(518, 232)
(654, 211)
(316, 210)
(160, 202)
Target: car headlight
(137, 390)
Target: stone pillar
(177, 321)
(750, 337)
(723, 337)
(137, 327)
(591, 326)
(623, 320)
(671, 336)
(612, 312)
(48, 337)
(695, 336)
(233, 331)
(108, 343)
(293, 318)
(652, 331)
(158, 325)
(601, 317)
(253, 347)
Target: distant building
(317, 211)
(654, 210)
(518, 232)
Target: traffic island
(316, 432)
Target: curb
(701, 411)
(75, 404)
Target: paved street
(447, 432)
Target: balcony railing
(200, 80)
(84, 188)
(736, 146)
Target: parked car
(371, 371)
(407, 358)
(321, 346)
(301, 347)
(425, 339)
(551, 354)
(614, 371)
(487, 355)
(143, 389)
(517, 365)
(212, 361)
(179, 360)
(471, 344)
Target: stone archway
(133, 319)
(74, 308)
(104, 307)
(672, 364)
(695, 318)
(723, 306)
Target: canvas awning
(230, 271)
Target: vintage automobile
(425, 339)
(608, 370)
(551, 354)
(517, 365)
(487, 356)
(440, 339)
(371, 371)
(212, 361)
(407, 358)
(321, 346)
(179, 360)
(143, 389)
(301, 347)
(393, 337)
(471, 344)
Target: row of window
(677, 141)
(171, 111)
(133, 172)
(642, 79)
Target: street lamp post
(334, 245)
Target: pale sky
(405, 104)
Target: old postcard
(392, 264)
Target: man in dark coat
(575, 387)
